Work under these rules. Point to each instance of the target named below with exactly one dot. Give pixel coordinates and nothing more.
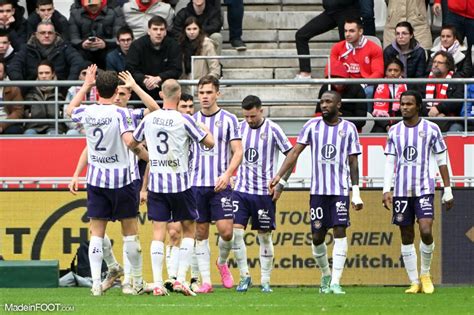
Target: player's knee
(318, 239)
(265, 238)
(227, 235)
(175, 237)
(426, 236)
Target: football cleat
(97, 290)
(160, 291)
(168, 284)
(194, 285)
(139, 289)
(205, 288)
(127, 288)
(414, 288)
(266, 288)
(244, 284)
(325, 285)
(226, 277)
(112, 275)
(182, 288)
(426, 284)
(336, 289)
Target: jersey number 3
(163, 146)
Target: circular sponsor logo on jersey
(342, 133)
(218, 123)
(328, 151)
(204, 148)
(263, 136)
(422, 134)
(251, 155)
(399, 217)
(410, 153)
(317, 224)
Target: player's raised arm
(448, 198)
(89, 82)
(81, 163)
(357, 203)
(237, 154)
(130, 82)
(287, 165)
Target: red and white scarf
(386, 91)
(440, 88)
(352, 48)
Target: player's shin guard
(410, 261)
(194, 265)
(320, 254)
(157, 249)
(133, 250)
(266, 256)
(127, 268)
(169, 248)
(203, 256)
(109, 257)
(185, 256)
(96, 255)
(240, 252)
(426, 253)
(224, 250)
(339, 253)
(174, 261)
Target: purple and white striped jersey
(412, 147)
(259, 165)
(330, 150)
(209, 164)
(137, 116)
(168, 134)
(108, 156)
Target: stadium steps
(29, 274)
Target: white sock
(320, 254)
(127, 268)
(224, 250)
(240, 252)
(266, 256)
(133, 250)
(194, 265)
(410, 261)
(175, 261)
(96, 255)
(426, 253)
(184, 258)
(203, 256)
(157, 249)
(109, 257)
(169, 248)
(339, 253)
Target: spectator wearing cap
(347, 91)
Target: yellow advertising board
(51, 225)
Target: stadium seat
(369, 124)
(29, 274)
(374, 39)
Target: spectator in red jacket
(461, 16)
(361, 57)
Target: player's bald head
(171, 89)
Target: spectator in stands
(347, 91)
(93, 28)
(13, 23)
(335, 13)
(413, 11)
(368, 16)
(45, 12)
(406, 48)
(138, 12)
(394, 69)
(155, 57)
(45, 44)
(450, 42)
(9, 111)
(194, 42)
(115, 59)
(45, 71)
(460, 14)
(74, 129)
(361, 57)
(444, 68)
(209, 16)
(7, 52)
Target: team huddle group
(188, 183)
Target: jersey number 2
(101, 136)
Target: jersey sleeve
(139, 134)
(281, 139)
(125, 121)
(78, 113)
(390, 146)
(137, 115)
(304, 136)
(234, 130)
(193, 130)
(438, 144)
(353, 143)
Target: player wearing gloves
(410, 144)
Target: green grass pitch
(305, 300)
